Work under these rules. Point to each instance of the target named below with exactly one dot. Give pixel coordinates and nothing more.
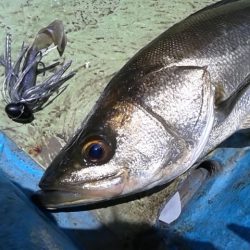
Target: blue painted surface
(23, 226)
(82, 227)
(217, 217)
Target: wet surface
(102, 36)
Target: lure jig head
(19, 112)
(21, 92)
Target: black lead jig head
(21, 92)
(19, 112)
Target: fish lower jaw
(82, 194)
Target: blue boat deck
(217, 217)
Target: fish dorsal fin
(215, 5)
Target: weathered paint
(20, 219)
(218, 215)
(102, 35)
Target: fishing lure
(22, 94)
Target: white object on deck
(172, 209)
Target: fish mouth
(89, 192)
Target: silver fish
(171, 104)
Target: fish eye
(97, 150)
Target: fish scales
(172, 103)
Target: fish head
(119, 152)
(121, 149)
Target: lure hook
(21, 92)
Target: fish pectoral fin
(225, 107)
(246, 123)
(219, 95)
